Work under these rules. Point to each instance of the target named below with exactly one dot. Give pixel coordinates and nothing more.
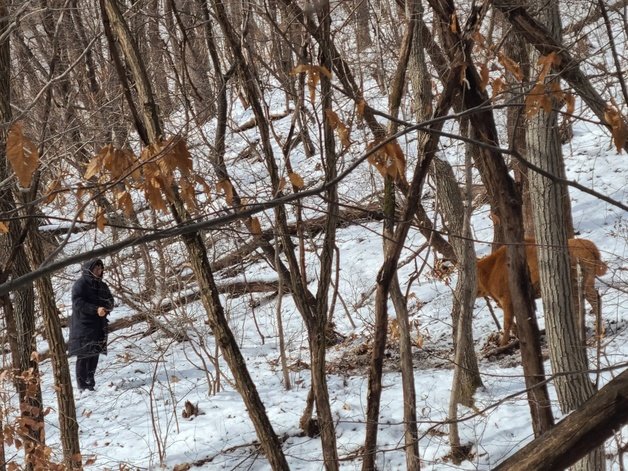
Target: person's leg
(93, 364)
(82, 367)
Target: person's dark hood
(88, 266)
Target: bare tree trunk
(515, 49)
(196, 249)
(502, 192)
(567, 353)
(411, 434)
(22, 313)
(385, 279)
(313, 310)
(68, 425)
(466, 371)
(318, 322)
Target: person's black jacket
(88, 331)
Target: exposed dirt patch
(353, 357)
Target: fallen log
(577, 434)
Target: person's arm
(109, 302)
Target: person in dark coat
(91, 303)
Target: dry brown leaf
(282, 185)
(120, 162)
(484, 76)
(619, 130)
(206, 188)
(80, 191)
(93, 168)
(393, 149)
(154, 197)
(255, 227)
(188, 193)
(296, 180)
(174, 156)
(534, 98)
(546, 63)
(22, 154)
(227, 190)
(101, 221)
(3, 228)
(51, 191)
(125, 202)
(570, 100)
(389, 160)
(95, 165)
(498, 86)
(361, 108)
(453, 23)
(341, 128)
(511, 66)
(314, 73)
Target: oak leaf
(206, 188)
(361, 107)
(125, 202)
(227, 190)
(296, 180)
(314, 73)
(101, 221)
(511, 66)
(22, 154)
(619, 130)
(188, 193)
(498, 85)
(389, 160)
(341, 128)
(255, 227)
(484, 77)
(154, 197)
(52, 191)
(94, 167)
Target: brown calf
(493, 276)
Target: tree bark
(567, 353)
(502, 192)
(411, 434)
(68, 425)
(19, 311)
(385, 278)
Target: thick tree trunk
(567, 353)
(502, 192)
(19, 312)
(68, 425)
(515, 49)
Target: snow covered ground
(133, 420)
